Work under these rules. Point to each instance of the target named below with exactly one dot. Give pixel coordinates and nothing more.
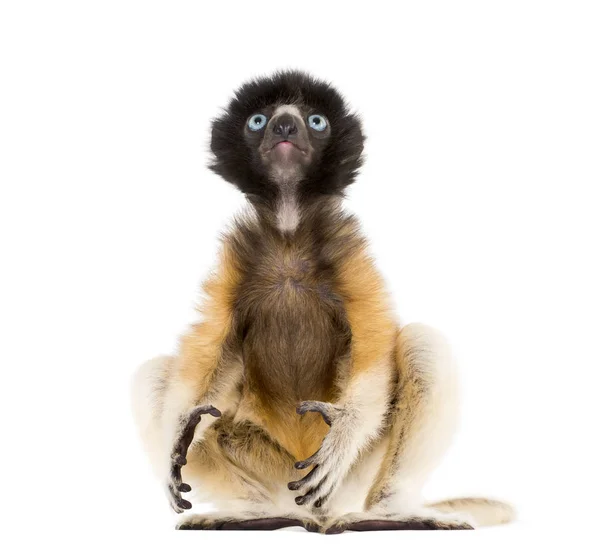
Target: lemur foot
(328, 462)
(231, 523)
(367, 522)
(175, 486)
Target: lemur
(297, 400)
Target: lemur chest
(294, 328)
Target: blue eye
(256, 122)
(317, 122)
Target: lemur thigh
(148, 395)
(357, 417)
(152, 388)
(208, 470)
(216, 465)
(197, 385)
(423, 422)
(422, 425)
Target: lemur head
(287, 131)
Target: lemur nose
(285, 127)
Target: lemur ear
(232, 158)
(350, 146)
(223, 145)
(342, 159)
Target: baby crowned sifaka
(298, 400)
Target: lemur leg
(154, 395)
(167, 417)
(147, 398)
(424, 420)
(422, 425)
(242, 501)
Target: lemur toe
(297, 484)
(315, 493)
(320, 502)
(184, 504)
(301, 465)
(180, 460)
(193, 419)
(178, 504)
(316, 406)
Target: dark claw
(306, 463)
(297, 484)
(300, 500)
(321, 501)
(177, 500)
(184, 487)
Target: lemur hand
(178, 456)
(333, 459)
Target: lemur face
(288, 138)
(287, 129)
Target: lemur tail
(484, 512)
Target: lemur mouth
(287, 145)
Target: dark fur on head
(337, 164)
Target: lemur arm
(358, 415)
(205, 373)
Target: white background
(479, 196)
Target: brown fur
(368, 311)
(206, 348)
(289, 304)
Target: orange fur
(202, 349)
(368, 311)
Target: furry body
(298, 399)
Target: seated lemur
(297, 399)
